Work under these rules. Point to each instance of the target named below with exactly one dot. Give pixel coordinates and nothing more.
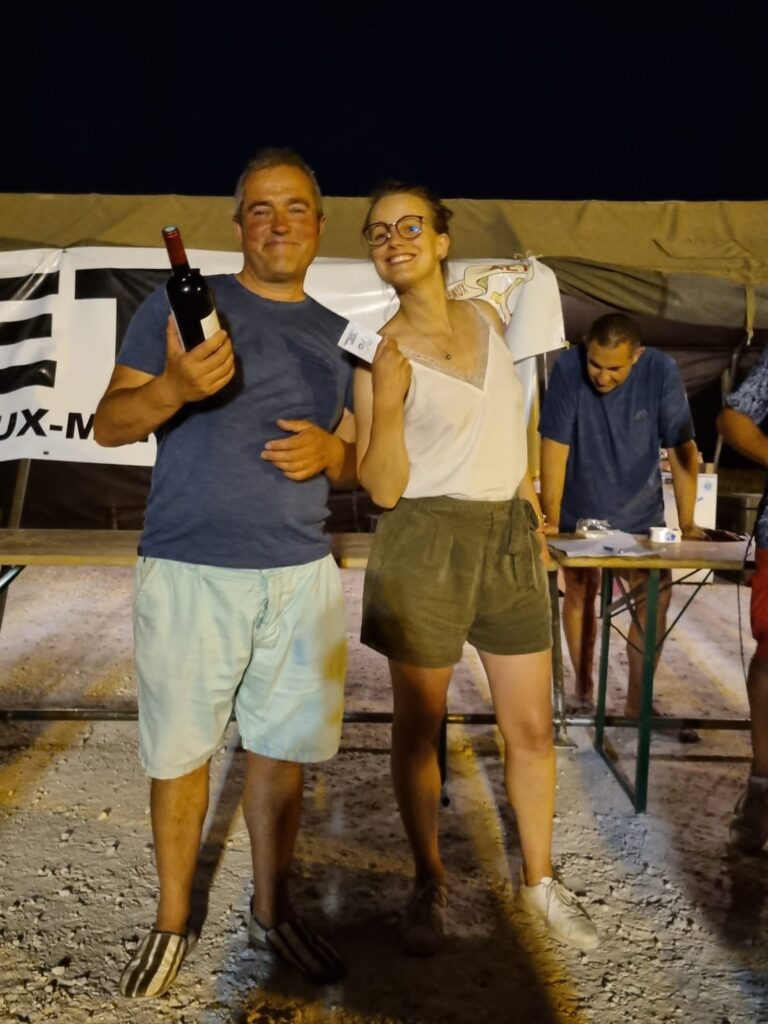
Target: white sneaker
(561, 911)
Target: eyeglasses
(409, 226)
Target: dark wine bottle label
(210, 324)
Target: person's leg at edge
(272, 797)
(757, 693)
(635, 637)
(580, 627)
(749, 825)
(178, 808)
(757, 677)
(419, 696)
(522, 699)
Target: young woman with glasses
(442, 446)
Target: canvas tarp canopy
(726, 240)
(700, 262)
(694, 273)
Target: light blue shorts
(269, 642)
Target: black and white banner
(64, 312)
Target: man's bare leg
(178, 808)
(272, 798)
(580, 627)
(636, 637)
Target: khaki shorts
(270, 643)
(443, 571)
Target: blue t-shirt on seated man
(610, 406)
(614, 410)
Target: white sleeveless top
(465, 435)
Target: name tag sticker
(360, 341)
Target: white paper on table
(607, 545)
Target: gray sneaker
(749, 827)
(422, 928)
(562, 913)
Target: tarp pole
(14, 516)
(728, 376)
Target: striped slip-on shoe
(294, 943)
(153, 967)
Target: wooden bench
(19, 548)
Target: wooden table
(694, 555)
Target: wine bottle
(188, 294)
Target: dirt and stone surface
(684, 925)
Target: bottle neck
(176, 252)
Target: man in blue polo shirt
(610, 406)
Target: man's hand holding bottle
(200, 372)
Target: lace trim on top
(445, 366)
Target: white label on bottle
(210, 324)
(360, 341)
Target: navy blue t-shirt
(214, 500)
(613, 470)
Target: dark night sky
(591, 100)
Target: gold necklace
(446, 352)
(444, 349)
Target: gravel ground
(683, 925)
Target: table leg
(606, 592)
(558, 685)
(9, 574)
(442, 761)
(640, 798)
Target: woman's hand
(391, 375)
(546, 557)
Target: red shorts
(758, 609)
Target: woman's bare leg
(521, 688)
(419, 706)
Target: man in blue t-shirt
(610, 406)
(237, 599)
(742, 424)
